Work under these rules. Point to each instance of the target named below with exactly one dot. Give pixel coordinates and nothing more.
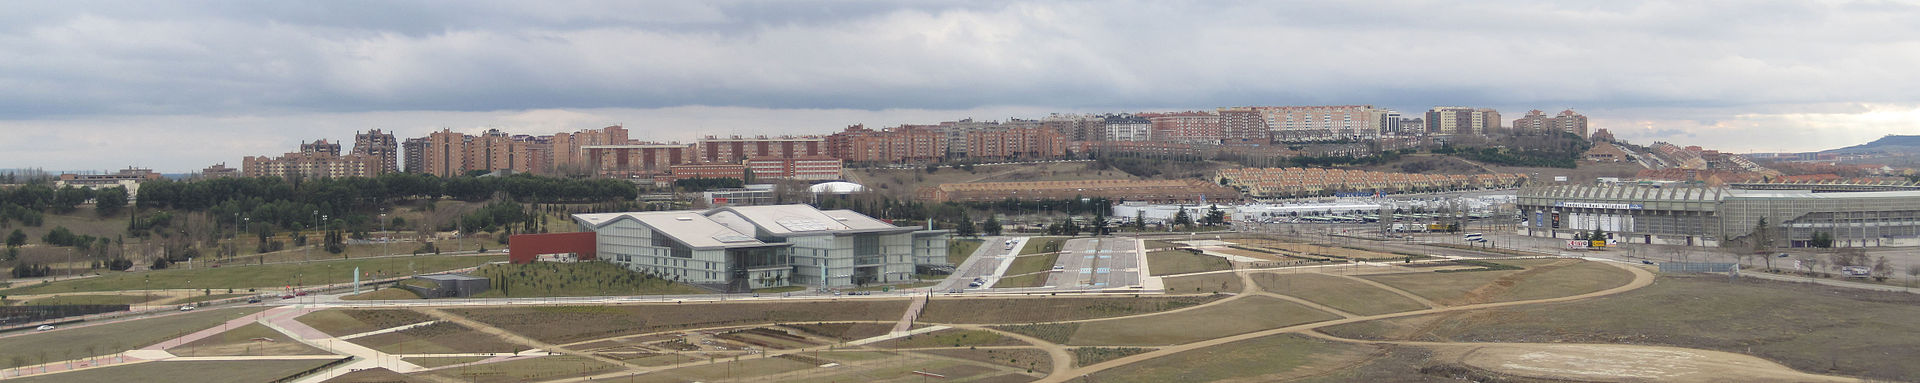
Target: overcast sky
(177, 86)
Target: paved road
(987, 262)
(1097, 263)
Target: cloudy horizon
(98, 85)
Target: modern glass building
(1709, 216)
(747, 247)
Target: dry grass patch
(433, 362)
(1170, 262)
(1239, 316)
(1032, 310)
(564, 324)
(1336, 292)
(103, 339)
(1443, 288)
(1206, 283)
(235, 371)
(1088, 356)
(844, 331)
(1032, 360)
(251, 339)
(437, 338)
(526, 370)
(1266, 359)
(728, 369)
(386, 294)
(951, 338)
(1807, 327)
(343, 322)
(94, 299)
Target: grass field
(93, 299)
(437, 338)
(263, 276)
(343, 322)
(386, 294)
(112, 337)
(251, 339)
(241, 371)
(1230, 318)
(526, 370)
(951, 338)
(549, 279)
(1336, 292)
(844, 331)
(1030, 310)
(444, 361)
(1808, 327)
(204, 298)
(1318, 250)
(895, 286)
(1170, 262)
(1028, 280)
(1540, 278)
(1087, 356)
(1028, 271)
(1160, 244)
(1205, 283)
(727, 370)
(958, 250)
(1036, 245)
(1032, 360)
(1265, 359)
(560, 324)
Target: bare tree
(1881, 270)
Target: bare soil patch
(1030, 310)
(562, 324)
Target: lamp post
(386, 241)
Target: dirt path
(1391, 289)
(1641, 278)
(517, 338)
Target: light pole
(386, 239)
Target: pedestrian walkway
(913, 313)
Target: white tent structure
(836, 187)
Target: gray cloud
(1688, 64)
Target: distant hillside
(1890, 143)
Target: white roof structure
(837, 187)
(740, 226)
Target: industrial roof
(737, 226)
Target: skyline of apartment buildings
(1537, 121)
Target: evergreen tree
(1181, 218)
(992, 226)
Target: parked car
(43, 327)
(1058, 268)
(187, 308)
(300, 294)
(1646, 262)
(288, 296)
(253, 300)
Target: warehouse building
(738, 248)
(1710, 216)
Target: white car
(187, 308)
(43, 327)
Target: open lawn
(343, 322)
(728, 370)
(238, 371)
(1036, 245)
(1087, 356)
(899, 368)
(93, 299)
(526, 370)
(114, 337)
(1204, 283)
(844, 331)
(251, 339)
(1032, 263)
(1152, 244)
(959, 249)
(549, 279)
(437, 338)
(951, 338)
(386, 294)
(1238, 316)
(1170, 262)
(1539, 278)
(1808, 327)
(1028, 280)
(1336, 292)
(260, 276)
(1326, 251)
(1033, 360)
(1030, 310)
(444, 361)
(560, 324)
(895, 286)
(1266, 359)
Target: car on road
(44, 327)
(288, 296)
(1059, 267)
(300, 294)
(1646, 262)
(253, 300)
(187, 308)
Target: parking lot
(1098, 263)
